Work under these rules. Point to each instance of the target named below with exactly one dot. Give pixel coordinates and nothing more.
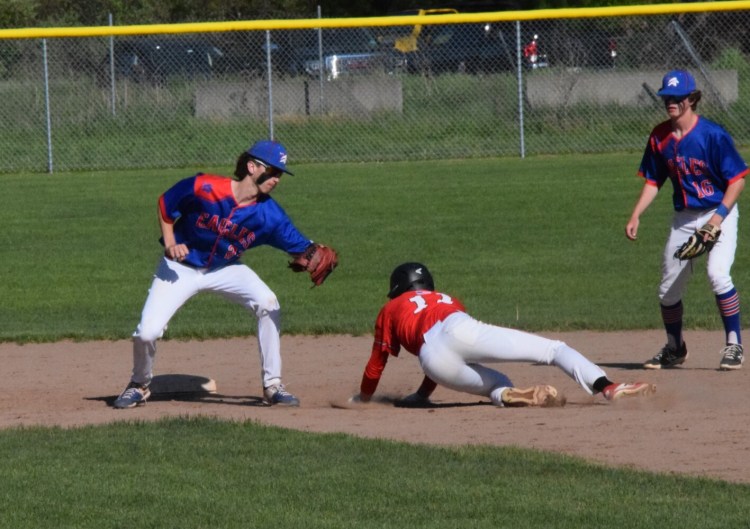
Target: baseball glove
(702, 241)
(318, 260)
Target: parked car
(345, 51)
(156, 59)
(245, 54)
(469, 48)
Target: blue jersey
(700, 165)
(216, 229)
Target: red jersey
(403, 321)
(530, 50)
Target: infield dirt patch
(696, 424)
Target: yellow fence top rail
(409, 20)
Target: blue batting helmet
(271, 153)
(677, 83)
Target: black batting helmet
(410, 276)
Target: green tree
(18, 13)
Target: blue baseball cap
(677, 83)
(271, 153)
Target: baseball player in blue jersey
(708, 174)
(207, 222)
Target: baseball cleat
(634, 389)
(667, 357)
(278, 395)
(541, 396)
(134, 395)
(732, 357)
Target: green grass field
(201, 473)
(536, 244)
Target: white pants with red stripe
(175, 283)
(455, 349)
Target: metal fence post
(112, 68)
(269, 71)
(519, 74)
(47, 107)
(320, 58)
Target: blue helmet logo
(271, 153)
(677, 83)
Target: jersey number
(704, 189)
(421, 303)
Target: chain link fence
(363, 93)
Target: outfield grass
(536, 244)
(199, 473)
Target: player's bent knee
(268, 306)
(721, 285)
(550, 355)
(146, 333)
(667, 300)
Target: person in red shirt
(452, 346)
(531, 50)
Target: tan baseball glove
(318, 260)
(702, 241)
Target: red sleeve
(383, 345)
(163, 211)
(740, 176)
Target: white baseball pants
(676, 273)
(175, 283)
(455, 348)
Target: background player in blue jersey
(207, 222)
(707, 175)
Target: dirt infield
(696, 424)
